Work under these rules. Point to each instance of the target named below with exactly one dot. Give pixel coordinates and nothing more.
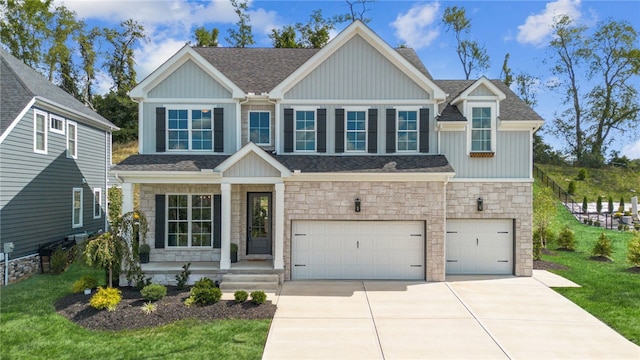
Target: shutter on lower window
(424, 130)
(322, 130)
(339, 130)
(218, 130)
(288, 130)
(160, 221)
(391, 130)
(372, 136)
(217, 221)
(161, 128)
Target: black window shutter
(217, 221)
(288, 130)
(160, 221)
(391, 130)
(218, 130)
(424, 130)
(339, 130)
(372, 131)
(161, 127)
(322, 130)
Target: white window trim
(75, 139)
(62, 121)
(189, 221)
(315, 126)
(366, 127)
(494, 124)
(97, 200)
(408, 108)
(77, 223)
(35, 132)
(189, 108)
(249, 126)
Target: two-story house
(55, 155)
(346, 162)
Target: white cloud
(416, 27)
(537, 28)
(151, 55)
(632, 151)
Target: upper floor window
(407, 130)
(56, 124)
(481, 129)
(189, 220)
(305, 130)
(260, 127)
(39, 132)
(356, 131)
(76, 213)
(97, 203)
(190, 129)
(72, 140)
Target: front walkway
(462, 318)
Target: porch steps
(249, 282)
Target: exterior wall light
(479, 204)
(357, 204)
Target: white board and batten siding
(389, 250)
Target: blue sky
(521, 28)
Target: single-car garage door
(358, 250)
(479, 246)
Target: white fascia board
(183, 101)
(168, 177)
(251, 148)
(17, 120)
(252, 180)
(68, 112)
(451, 125)
(482, 81)
(492, 180)
(358, 28)
(350, 102)
(371, 177)
(519, 125)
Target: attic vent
(390, 166)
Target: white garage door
(479, 246)
(358, 250)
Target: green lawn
(31, 329)
(608, 291)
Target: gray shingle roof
(162, 162)
(19, 84)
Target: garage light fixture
(357, 204)
(479, 204)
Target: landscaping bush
(149, 307)
(633, 251)
(584, 205)
(59, 261)
(106, 298)
(537, 245)
(85, 282)
(602, 247)
(205, 295)
(258, 297)
(572, 187)
(153, 292)
(599, 205)
(610, 205)
(183, 277)
(582, 175)
(240, 296)
(566, 239)
(204, 282)
(621, 206)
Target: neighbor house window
(39, 132)
(305, 130)
(56, 124)
(481, 129)
(72, 140)
(77, 208)
(189, 220)
(407, 130)
(260, 127)
(356, 131)
(190, 129)
(97, 203)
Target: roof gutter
(106, 125)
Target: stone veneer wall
(501, 200)
(20, 268)
(380, 201)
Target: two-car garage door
(358, 250)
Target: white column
(278, 259)
(127, 197)
(225, 246)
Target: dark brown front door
(258, 223)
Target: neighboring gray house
(54, 159)
(346, 162)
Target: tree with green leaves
(121, 62)
(472, 55)
(284, 38)
(506, 75)
(611, 205)
(25, 29)
(357, 11)
(314, 34)
(242, 37)
(544, 203)
(206, 38)
(599, 204)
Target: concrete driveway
(462, 318)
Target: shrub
(633, 251)
(153, 292)
(183, 277)
(106, 298)
(149, 307)
(240, 296)
(584, 205)
(537, 245)
(567, 239)
(59, 261)
(599, 205)
(204, 283)
(572, 187)
(258, 297)
(602, 247)
(205, 295)
(582, 175)
(636, 226)
(85, 282)
(621, 206)
(610, 205)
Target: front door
(258, 223)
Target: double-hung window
(260, 127)
(189, 220)
(56, 124)
(481, 129)
(39, 132)
(72, 140)
(305, 130)
(76, 213)
(407, 130)
(356, 131)
(97, 203)
(190, 129)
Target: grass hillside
(122, 151)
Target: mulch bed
(129, 315)
(547, 265)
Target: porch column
(278, 259)
(127, 197)
(225, 245)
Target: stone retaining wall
(20, 268)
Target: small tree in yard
(572, 187)
(602, 247)
(584, 205)
(633, 251)
(621, 206)
(544, 204)
(599, 205)
(610, 205)
(566, 239)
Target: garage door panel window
(189, 221)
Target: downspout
(437, 115)
(107, 165)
